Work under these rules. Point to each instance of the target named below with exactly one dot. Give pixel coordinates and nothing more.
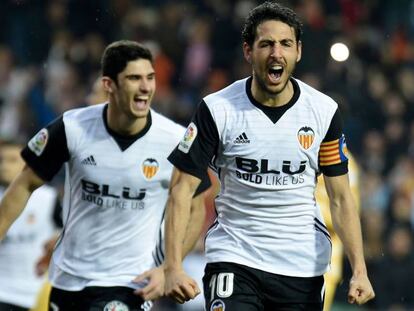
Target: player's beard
(262, 85)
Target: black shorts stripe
(324, 233)
(320, 223)
(158, 253)
(212, 227)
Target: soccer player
(268, 136)
(23, 244)
(116, 187)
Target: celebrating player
(116, 187)
(268, 137)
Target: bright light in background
(339, 52)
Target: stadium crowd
(49, 63)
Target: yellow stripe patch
(329, 153)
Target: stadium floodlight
(339, 52)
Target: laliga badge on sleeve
(188, 139)
(38, 143)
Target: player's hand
(179, 286)
(42, 263)
(155, 286)
(360, 289)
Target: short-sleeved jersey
(23, 246)
(115, 195)
(267, 160)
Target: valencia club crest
(150, 167)
(306, 136)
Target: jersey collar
(124, 141)
(273, 113)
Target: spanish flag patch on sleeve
(333, 152)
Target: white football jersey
(114, 199)
(23, 246)
(267, 216)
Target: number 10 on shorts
(221, 285)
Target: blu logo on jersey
(104, 191)
(253, 166)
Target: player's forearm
(11, 205)
(177, 220)
(195, 224)
(347, 225)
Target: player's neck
(272, 100)
(123, 125)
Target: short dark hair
(117, 55)
(270, 10)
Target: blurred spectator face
(400, 243)
(97, 94)
(405, 82)
(10, 163)
(134, 90)
(374, 142)
(6, 61)
(373, 224)
(401, 208)
(394, 130)
(378, 85)
(393, 105)
(273, 55)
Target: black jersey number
(221, 285)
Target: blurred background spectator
(49, 60)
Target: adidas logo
(242, 139)
(89, 161)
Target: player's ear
(108, 84)
(247, 52)
(299, 51)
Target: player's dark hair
(270, 10)
(117, 55)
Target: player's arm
(42, 263)
(191, 159)
(16, 197)
(185, 216)
(197, 216)
(44, 155)
(154, 289)
(347, 225)
(179, 286)
(333, 163)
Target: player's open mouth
(275, 73)
(141, 102)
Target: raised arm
(178, 285)
(155, 277)
(16, 196)
(347, 225)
